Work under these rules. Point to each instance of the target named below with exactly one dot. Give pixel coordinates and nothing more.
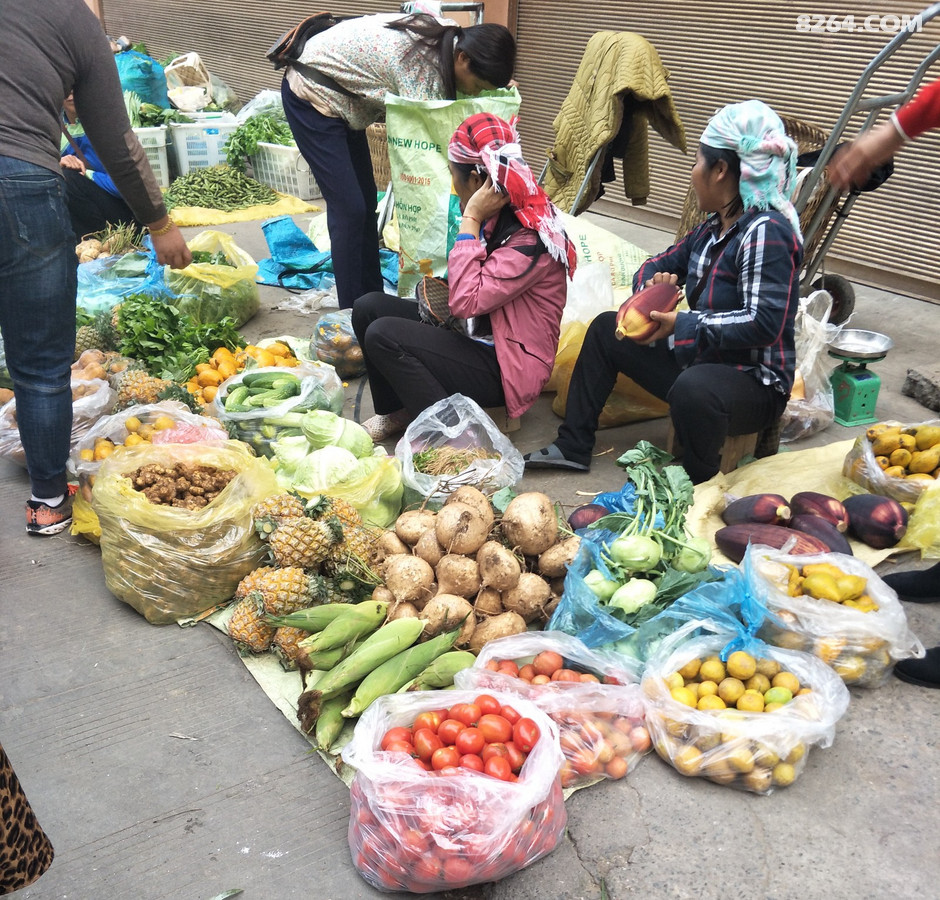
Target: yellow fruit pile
(225, 363)
(825, 581)
(911, 453)
(137, 433)
(722, 748)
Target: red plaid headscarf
(488, 141)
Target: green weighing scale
(854, 387)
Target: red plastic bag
(421, 831)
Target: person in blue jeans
(48, 50)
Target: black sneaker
(45, 520)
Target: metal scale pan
(856, 344)
(855, 388)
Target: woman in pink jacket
(507, 277)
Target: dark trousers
(412, 365)
(92, 208)
(340, 161)
(707, 402)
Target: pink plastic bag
(421, 831)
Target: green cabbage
(326, 429)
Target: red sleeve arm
(922, 113)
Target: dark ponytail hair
(490, 47)
(712, 155)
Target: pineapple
(136, 386)
(357, 550)
(324, 506)
(247, 626)
(300, 541)
(250, 582)
(335, 590)
(271, 511)
(86, 338)
(287, 646)
(283, 590)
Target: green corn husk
(324, 660)
(360, 619)
(383, 644)
(400, 669)
(330, 722)
(313, 618)
(440, 673)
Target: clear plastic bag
(334, 342)
(422, 831)
(101, 286)
(460, 423)
(91, 399)
(320, 388)
(811, 407)
(265, 102)
(169, 563)
(601, 723)
(862, 647)
(751, 751)
(189, 85)
(862, 467)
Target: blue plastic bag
(144, 76)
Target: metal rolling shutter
(722, 52)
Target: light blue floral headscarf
(768, 157)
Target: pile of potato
(459, 566)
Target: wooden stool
(733, 450)
(499, 415)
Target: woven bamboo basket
(378, 147)
(808, 137)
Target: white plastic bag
(811, 406)
(460, 423)
(751, 751)
(425, 831)
(862, 647)
(189, 85)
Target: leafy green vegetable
(243, 141)
(323, 428)
(168, 342)
(132, 102)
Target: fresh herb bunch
(168, 343)
(243, 141)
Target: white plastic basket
(197, 145)
(284, 169)
(153, 140)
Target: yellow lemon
(768, 667)
(783, 774)
(741, 665)
(796, 754)
(758, 682)
(690, 669)
(730, 689)
(87, 455)
(712, 669)
(146, 431)
(740, 759)
(684, 695)
(759, 780)
(764, 756)
(162, 423)
(674, 680)
(710, 701)
(750, 701)
(787, 680)
(132, 424)
(706, 742)
(133, 439)
(688, 760)
(707, 687)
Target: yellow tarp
(286, 205)
(816, 469)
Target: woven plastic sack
(92, 398)
(144, 76)
(428, 209)
(862, 647)
(424, 832)
(320, 388)
(169, 563)
(208, 292)
(862, 467)
(460, 423)
(751, 751)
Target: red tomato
(427, 870)
(527, 672)
(495, 728)
(547, 662)
(450, 770)
(426, 742)
(492, 665)
(395, 734)
(413, 842)
(525, 734)
(448, 731)
(616, 768)
(422, 764)
(508, 667)
(444, 757)
(491, 750)
(470, 740)
(471, 761)
(588, 677)
(457, 871)
(498, 767)
(541, 679)
(516, 756)
(509, 714)
(566, 675)
(401, 747)
(468, 713)
(640, 738)
(429, 719)
(488, 705)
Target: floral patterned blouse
(368, 59)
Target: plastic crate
(284, 169)
(153, 140)
(198, 145)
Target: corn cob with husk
(390, 639)
(330, 722)
(361, 619)
(312, 619)
(324, 660)
(440, 673)
(397, 671)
